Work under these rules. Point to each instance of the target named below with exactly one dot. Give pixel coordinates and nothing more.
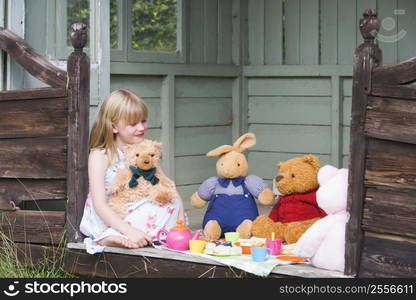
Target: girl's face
(129, 133)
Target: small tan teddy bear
(141, 178)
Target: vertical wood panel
(273, 42)
(347, 20)
(168, 125)
(387, 36)
(329, 30)
(211, 31)
(224, 32)
(407, 22)
(309, 32)
(292, 32)
(256, 31)
(196, 45)
(335, 122)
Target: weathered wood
(31, 61)
(28, 118)
(391, 119)
(78, 114)
(366, 57)
(393, 91)
(390, 211)
(18, 190)
(42, 227)
(388, 256)
(391, 164)
(33, 158)
(31, 94)
(401, 73)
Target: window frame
(125, 53)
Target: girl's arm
(97, 166)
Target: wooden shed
(282, 69)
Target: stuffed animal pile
(324, 242)
(296, 209)
(140, 178)
(231, 194)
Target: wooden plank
(292, 138)
(42, 227)
(273, 32)
(28, 118)
(194, 169)
(196, 50)
(289, 87)
(298, 71)
(30, 60)
(143, 86)
(290, 110)
(405, 24)
(78, 125)
(390, 211)
(168, 125)
(203, 111)
(263, 164)
(189, 87)
(347, 29)
(309, 32)
(407, 92)
(200, 140)
(210, 31)
(389, 31)
(401, 73)
(391, 164)
(36, 93)
(329, 30)
(18, 190)
(292, 32)
(387, 256)
(256, 32)
(225, 32)
(366, 57)
(391, 119)
(33, 158)
(336, 127)
(346, 111)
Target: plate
(222, 255)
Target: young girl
(122, 120)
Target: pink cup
(275, 246)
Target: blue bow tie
(149, 175)
(224, 182)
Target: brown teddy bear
(141, 178)
(296, 209)
(231, 194)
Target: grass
(14, 263)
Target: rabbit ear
(220, 150)
(244, 142)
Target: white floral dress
(145, 215)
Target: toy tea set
(181, 238)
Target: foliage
(153, 23)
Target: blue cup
(260, 253)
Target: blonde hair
(120, 105)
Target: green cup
(232, 236)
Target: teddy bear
(324, 241)
(296, 209)
(141, 178)
(231, 194)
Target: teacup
(197, 246)
(232, 236)
(260, 253)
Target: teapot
(178, 237)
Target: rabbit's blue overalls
(230, 210)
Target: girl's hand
(139, 237)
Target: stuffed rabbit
(231, 194)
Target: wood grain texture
(39, 227)
(33, 158)
(400, 73)
(35, 93)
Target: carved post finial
(369, 25)
(78, 36)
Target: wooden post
(366, 57)
(78, 115)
